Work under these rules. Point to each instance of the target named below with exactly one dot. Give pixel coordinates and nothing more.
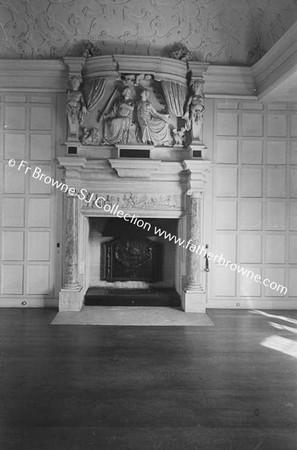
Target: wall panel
(248, 287)
(12, 279)
(254, 226)
(276, 152)
(27, 205)
(251, 152)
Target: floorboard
(149, 388)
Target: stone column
(70, 243)
(70, 297)
(194, 237)
(193, 295)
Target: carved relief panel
(109, 106)
(136, 109)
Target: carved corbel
(74, 64)
(196, 173)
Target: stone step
(102, 296)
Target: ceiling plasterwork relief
(218, 31)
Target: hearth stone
(100, 296)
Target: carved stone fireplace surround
(165, 190)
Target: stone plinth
(71, 299)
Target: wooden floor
(126, 388)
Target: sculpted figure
(194, 109)
(75, 107)
(129, 79)
(154, 128)
(180, 51)
(90, 50)
(117, 124)
(91, 137)
(179, 136)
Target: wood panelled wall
(250, 208)
(254, 201)
(29, 263)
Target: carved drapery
(93, 92)
(175, 95)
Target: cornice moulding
(276, 69)
(34, 75)
(220, 80)
(229, 81)
(278, 64)
(162, 68)
(157, 168)
(72, 161)
(197, 167)
(52, 75)
(198, 69)
(100, 66)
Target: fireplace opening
(130, 265)
(131, 259)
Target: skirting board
(28, 302)
(277, 303)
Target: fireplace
(137, 154)
(124, 195)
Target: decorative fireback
(131, 260)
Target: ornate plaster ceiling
(217, 31)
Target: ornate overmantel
(126, 99)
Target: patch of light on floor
(278, 326)
(274, 316)
(281, 344)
